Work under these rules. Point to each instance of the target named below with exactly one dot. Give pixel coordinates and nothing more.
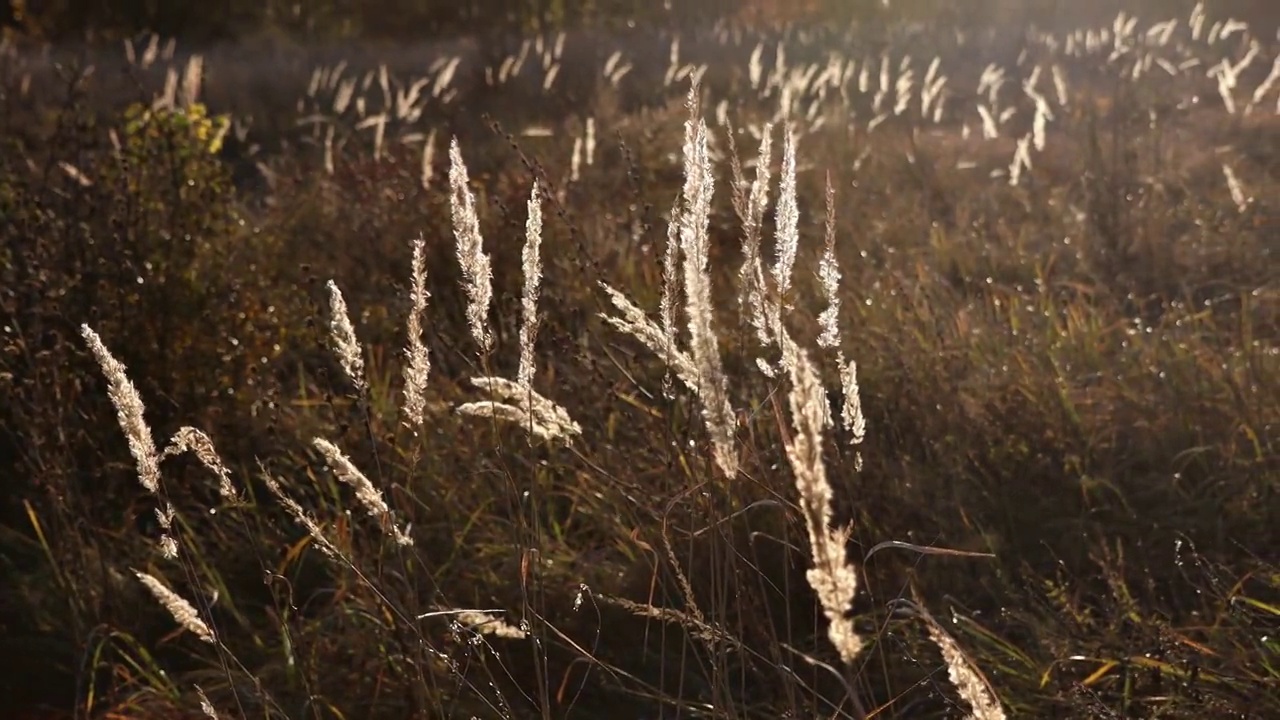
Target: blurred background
(221, 20)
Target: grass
(537, 424)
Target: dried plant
(489, 624)
(129, 412)
(428, 169)
(701, 368)
(523, 406)
(515, 402)
(697, 626)
(768, 315)
(634, 322)
(193, 440)
(832, 576)
(829, 278)
(800, 97)
(369, 496)
(969, 682)
(694, 244)
(192, 79)
(343, 336)
(669, 308)
(301, 517)
(788, 220)
(417, 359)
(751, 279)
(851, 417)
(532, 264)
(471, 256)
(206, 706)
(182, 611)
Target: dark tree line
(215, 20)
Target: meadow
(928, 372)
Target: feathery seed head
(832, 577)
(851, 413)
(829, 278)
(129, 412)
(523, 406)
(418, 359)
(695, 243)
(369, 497)
(343, 336)
(788, 220)
(532, 262)
(301, 517)
(488, 624)
(968, 681)
(194, 440)
(476, 270)
(633, 321)
(182, 611)
(751, 276)
(206, 706)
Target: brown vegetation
(325, 414)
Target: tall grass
(988, 430)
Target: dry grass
(963, 426)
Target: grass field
(927, 374)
